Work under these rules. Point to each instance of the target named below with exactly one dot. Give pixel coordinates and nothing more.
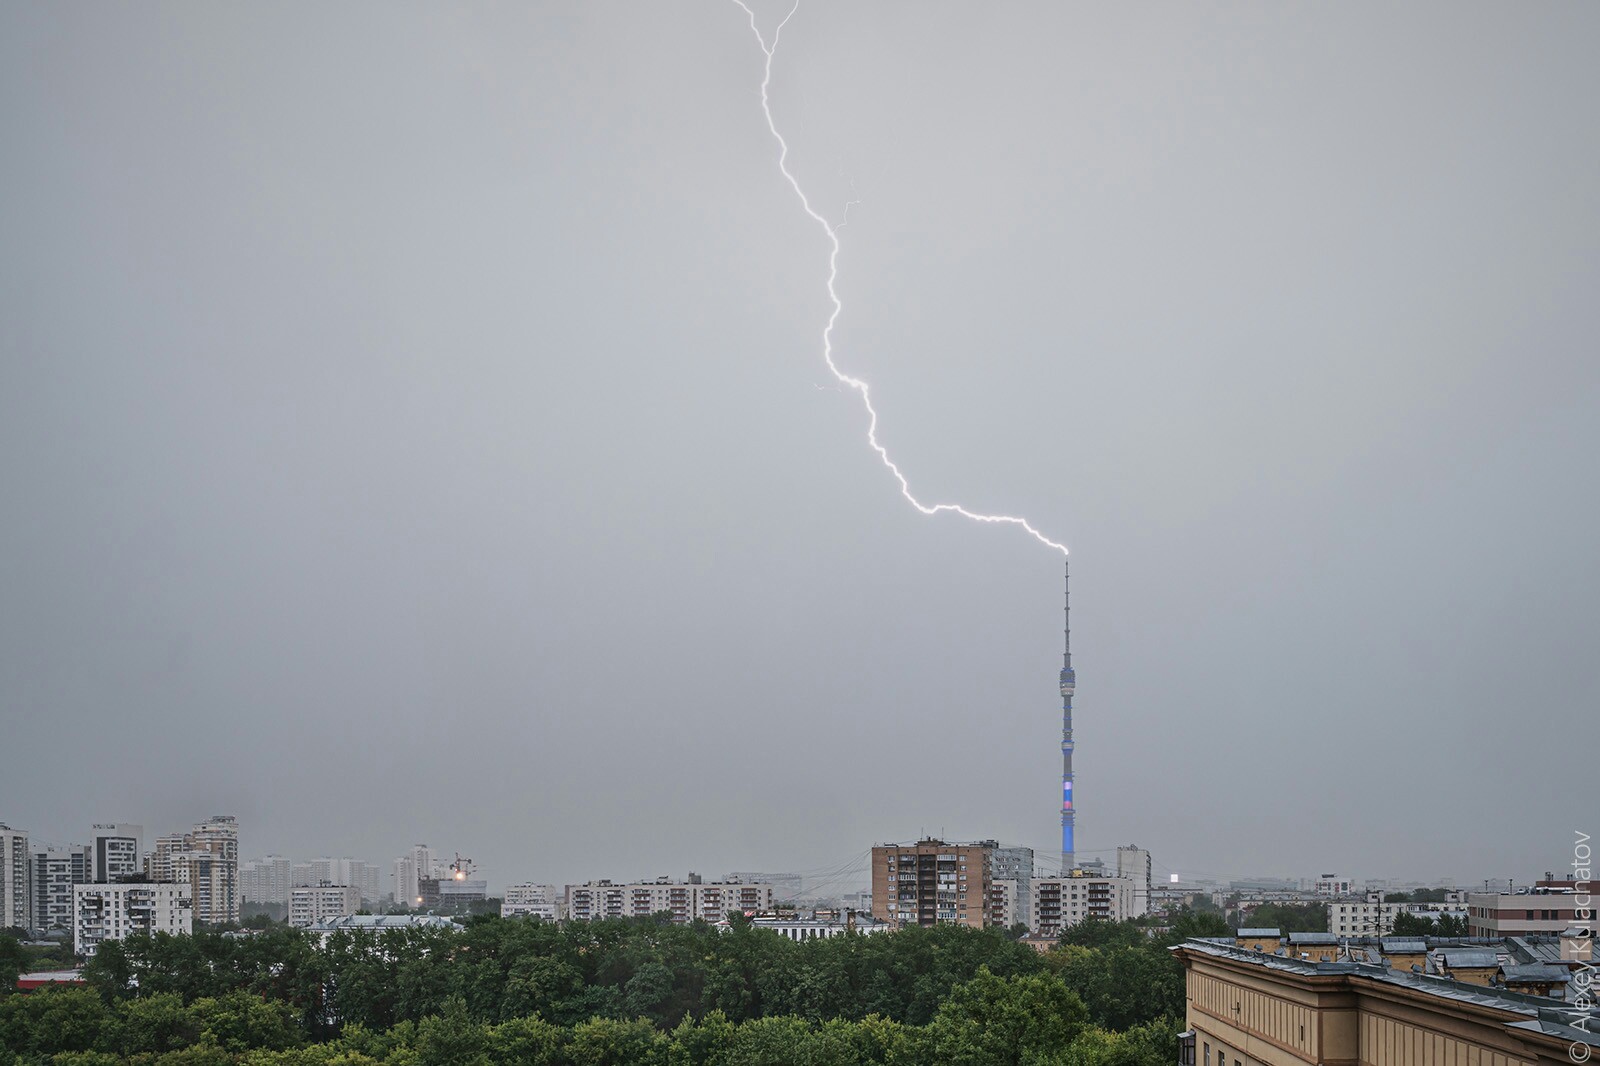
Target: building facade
(115, 911)
(266, 880)
(1134, 864)
(53, 872)
(207, 858)
(1248, 1008)
(932, 882)
(1370, 918)
(118, 851)
(1013, 865)
(1548, 907)
(529, 900)
(16, 890)
(1058, 903)
(684, 901)
(310, 904)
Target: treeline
(524, 991)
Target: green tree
(995, 1021)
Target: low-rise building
(115, 911)
(310, 904)
(1548, 907)
(377, 924)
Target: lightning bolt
(855, 383)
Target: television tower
(1069, 681)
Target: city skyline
(432, 446)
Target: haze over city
(415, 429)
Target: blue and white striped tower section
(1069, 681)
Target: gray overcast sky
(413, 428)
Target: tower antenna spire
(1069, 682)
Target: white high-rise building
(112, 912)
(53, 873)
(1133, 863)
(16, 895)
(310, 904)
(117, 850)
(410, 869)
(266, 880)
(536, 901)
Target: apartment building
(118, 851)
(1060, 902)
(207, 858)
(16, 892)
(114, 911)
(266, 880)
(1371, 918)
(310, 904)
(531, 901)
(931, 882)
(685, 901)
(52, 873)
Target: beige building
(1057, 903)
(1249, 1008)
(206, 857)
(932, 882)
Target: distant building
(310, 904)
(360, 875)
(814, 927)
(932, 882)
(409, 871)
(684, 901)
(1133, 864)
(16, 895)
(376, 924)
(118, 851)
(532, 901)
(1061, 902)
(115, 911)
(1332, 885)
(1549, 907)
(266, 880)
(53, 872)
(786, 887)
(1370, 918)
(207, 858)
(1014, 866)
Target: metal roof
(1470, 960)
(1313, 938)
(1259, 932)
(1535, 972)
(1397, 946)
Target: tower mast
(1069, 682)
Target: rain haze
(413, 427)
